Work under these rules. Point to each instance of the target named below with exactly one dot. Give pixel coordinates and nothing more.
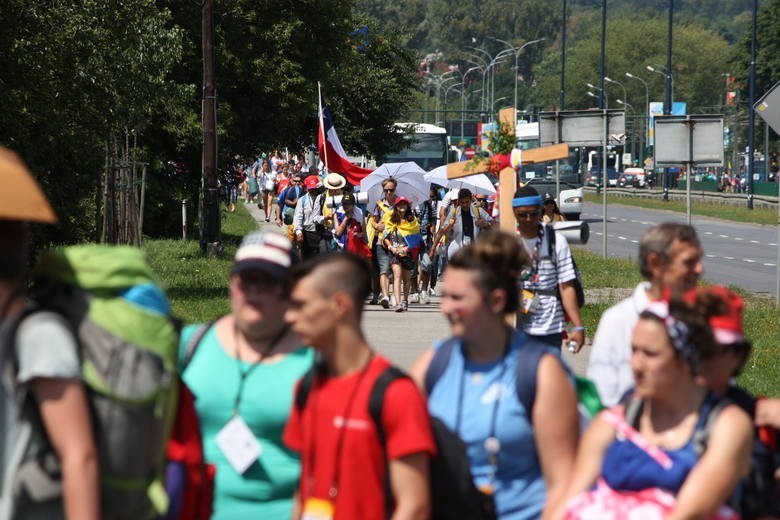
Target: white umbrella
(410, 179)
(478, 184)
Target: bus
(595, 172)
(427, 145)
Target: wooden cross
(507, 177)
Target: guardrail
(763, 201)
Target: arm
(298, 217)
(590, 455)
(440, 233)
(768, 412)
(569, 301)
(556, 429)
(719, 469)
(65, 415)
(409, 477)
(340, 227)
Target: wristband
(577, 329)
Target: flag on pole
(331, 152)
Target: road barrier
(739, 199)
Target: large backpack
(127, 347)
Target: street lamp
(669, 86)
(616, 82)
(603, 93)
(646, 113)
(633, 112)
(493, 108)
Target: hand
(480, 223)
(579, 337)
(768, 412)
(298, 237)
(380, 226)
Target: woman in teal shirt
(243, 374)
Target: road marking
(737, 238)
(755, 242)
(772, 243)
(622, 238)
(708, 232)
(728, 258)
(711, 256)
(723, 236)
(748, 260)
(635, 241)
(770, 265)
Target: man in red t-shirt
(345, 468)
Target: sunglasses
(526, 214)
(389, 191)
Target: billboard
(656, 108)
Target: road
(742, 255)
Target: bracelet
(577, 329)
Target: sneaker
(384, 302)
(405, 306)
(399, 308)
(392, 299)
(267, 219)
(424, 298)
(414, 298)
(431, 291)
(374, 300)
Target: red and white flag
(331, 152)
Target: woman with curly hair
(402, 240)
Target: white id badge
(238, 444)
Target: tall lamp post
(563, 58)
(751, 112)
(633, 113)
(667, 103)
(645, 112)
(602, 97)
(517, 51)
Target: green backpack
(127, 346)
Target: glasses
(526, 214)
(389, 191)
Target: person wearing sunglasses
(380, 280)
(548, 290)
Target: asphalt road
(742, 255)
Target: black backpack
(578, 287)
(453, 494)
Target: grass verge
(196, 284)
(761, 374)
(732, 212)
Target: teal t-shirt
(264, 490)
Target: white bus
(427, 145)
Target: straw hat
(334, 181)
(20, 196)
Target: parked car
(570, 198)
(628, 180)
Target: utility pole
(209, 200)
(751, 147)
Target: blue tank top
(627, 467)
(520, 491)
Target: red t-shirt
(314, 433)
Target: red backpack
(189, 481)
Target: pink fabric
(604, 503)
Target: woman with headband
(671, 447)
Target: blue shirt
(520, 491)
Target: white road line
(772, 244)
(723, 236)
(728, 258)
(748, 260)
(738, 239)
(755, 242)
(708, 232)
(635, 241)
(710, 256)
(770, 265)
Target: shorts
(383, 258)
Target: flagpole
(322, 127)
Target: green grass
(733, 212)
(196, 284)
(761, 375)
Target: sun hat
(21, 198)
(311, 182)
(267, 251)
(334, 181)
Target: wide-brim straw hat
(21, 198)
(334, 181)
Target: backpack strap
(376, 401)
(708, 414)
(528, 357)
(192, 344)
(551, 250)
(439, 362)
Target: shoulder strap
(376, 399)
(194, 342)
(305, 386)
(633, 409)
(551, 251)
(707, 416)
(528, 357)
(438, 364)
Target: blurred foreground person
(509, 398)
(47, 373)
(359, 424)
(242, 369)
(672, 449)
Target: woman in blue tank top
(648, 452)
(522, 457)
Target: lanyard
(243, 374)
(492, 445)
(333, 491)
(536, 257)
